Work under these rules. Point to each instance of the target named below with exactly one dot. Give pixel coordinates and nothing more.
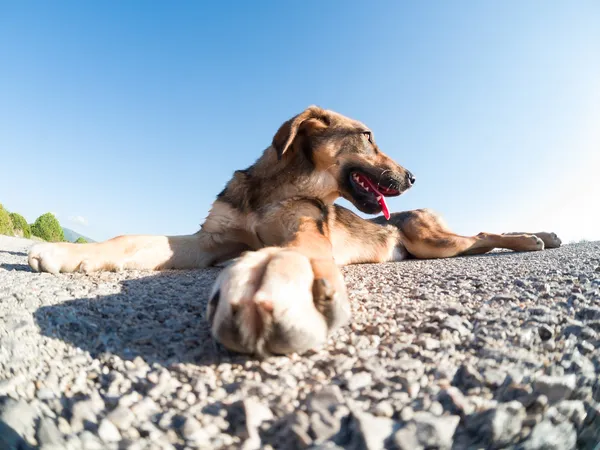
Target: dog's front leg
(284, 299)
(131, 252)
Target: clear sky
(129, 117)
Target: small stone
(256, 413)
(574, 410)
(407, 414)
(429, 343)
(539, 405)
(63, 426)
(193, 431)
(81, 412)
(548, 436)
(18, 416)
(586, 347)
(577, 363)
(500, 425)
(45, 394)
(436, 409)
(48, 434)
(327, 399)
(324, 424)
(454, 323)
(372, 431)
(359, 381)
(589, 433)
(145, 408)
(467, 377)
(453, 400)
(384, 409)
(90, 442)
(526, 337)
(299, 424)
(108, 432)
(503, 298)
(494, 377)
(580, 331)
(121, 417)
(588, 313)
(556, 388)
(545, 332)
(413, 389)
(427, 431)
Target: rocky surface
(495, 351)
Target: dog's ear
(312, 117)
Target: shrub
(48, 228)
(6, 226)
(20, 225)
(81, 240)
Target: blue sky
(131, 116)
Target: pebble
(18, 417)
(427, 431)
(549, 436)
(429, 343)
(371, 430)
(556, 388)
(359, 381)
(108, 432)
(500, 425)
(193, 431)
(121, 417)
(384, 409)
(467, 377)
(48, 433)
(454, 323)
(81, 412)
(546, 332)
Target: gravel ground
(496, 351)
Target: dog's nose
(410, 178)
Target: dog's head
(346, 160)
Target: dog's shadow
(14, 253)
(160, 318)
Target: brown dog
(288, 294)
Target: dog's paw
(530, 243)
(276, 301)
(58, 257)
(46, 257)
(551, 240)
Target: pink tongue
(384, 208)
(381, 199)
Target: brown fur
(287, 294)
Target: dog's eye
(369, 136)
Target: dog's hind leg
(425, 236)
(551, 240)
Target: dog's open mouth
(365, 184)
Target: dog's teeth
(367, 188)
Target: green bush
(48, 228)
(20, 225)
(6, 226)
(81, 240)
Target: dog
(284, 238)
